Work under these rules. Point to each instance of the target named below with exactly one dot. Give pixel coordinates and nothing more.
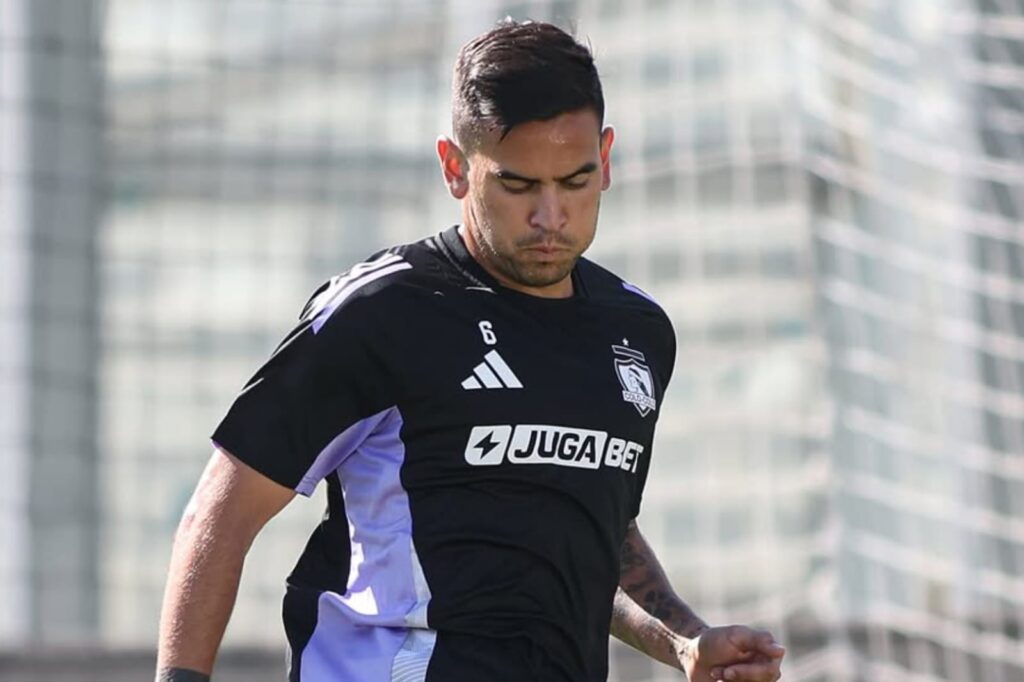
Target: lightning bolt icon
(487, 443)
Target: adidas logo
(491, 373)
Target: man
(481, 405)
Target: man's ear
(454, 166)
(607, 139)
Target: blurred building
(51, 174)
(256, 151)
(826, 198)
(916, 164)
(709, 212)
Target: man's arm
(230, 505)
(647, 613)
(645, 633)
(649, 616)
(643, 579)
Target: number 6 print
(488, 333)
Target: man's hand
(649, 616)
(734, 653)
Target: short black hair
(519, 72)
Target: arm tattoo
(181, 675)
(630, 558)
(643, 579)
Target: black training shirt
(484, 451)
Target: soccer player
(481, 407)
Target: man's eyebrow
(504, 174)
(509, 175)
(588, 167)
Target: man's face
(533, 197)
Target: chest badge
(636, 379)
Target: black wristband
(181, 675)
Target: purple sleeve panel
(638, 291)
(338, 450)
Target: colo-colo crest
(636, 379)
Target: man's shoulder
(626, 302)
(382, 281)
(606, 287)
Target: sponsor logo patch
(545, 444)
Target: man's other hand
(734, 653)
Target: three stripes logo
(493, 372)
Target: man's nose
(549, 211)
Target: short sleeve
(642, 469)
(665, 368)
(311, 405)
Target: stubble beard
(515, 265)
(520, 270)
(538, 274)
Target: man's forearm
(232, 502)
(645, 633)
(201, 588)
(643, 580)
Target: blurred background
(827, 196)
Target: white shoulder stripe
(340, 288)
(350, 284)
(339, 282)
